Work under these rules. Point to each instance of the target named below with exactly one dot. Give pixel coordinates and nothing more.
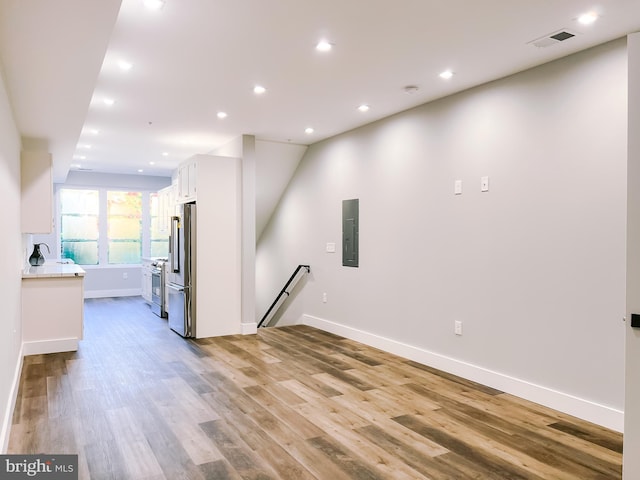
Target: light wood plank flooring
(139, 402)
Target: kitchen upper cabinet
(166, 203)
(36, 182)
(187, 181)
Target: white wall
(244, 149)
(110, 281)
(534, 268)
(11, 246)
(631, 461)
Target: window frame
(111, 242)
(150, 218)
(60, 241)
(103, 240)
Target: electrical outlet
(458, 327)
(125, 275)
(324, 297)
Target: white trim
(113, 266)
(8, 414)
(249, 328)
(563, 402)
(129, 292)
(50, 346)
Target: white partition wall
(219, 246)
(631, 459)
(244, 149)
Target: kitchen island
(52, 308)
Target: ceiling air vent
(552, 39)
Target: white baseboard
(563, 402)
(50, 346)
(249, 328)
(129, 292)
(8, 414)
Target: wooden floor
(138, 401)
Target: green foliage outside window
(124, 227)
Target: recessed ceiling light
(154, 4)
(140, 170)
(588, 18)
(323, 46)
(93, 131)
(124, 65)
(79, 157)
(108, 101)
(152, 163)
(410, 89)
(364, 108)
(222, 114)
(165, 154)
(259, 89)
(308, 130)
(447, 74)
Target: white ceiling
(194, 58)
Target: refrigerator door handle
(175, 287)
(174, 247)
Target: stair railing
(284, 291)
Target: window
(110, 227)
(79, 229)
(124, 227)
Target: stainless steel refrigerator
(182, 271)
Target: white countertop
(49, 270)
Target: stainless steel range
(158, 280)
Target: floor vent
(552, 39)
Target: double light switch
(484, 186)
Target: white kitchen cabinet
(36, 183)
(52, 308)
(146, 279)
(187, 181)
(166, 203)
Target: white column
(631, 460)
(248, 234)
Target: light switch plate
(331, 247)
(457, 187)
(457, 327)
(484, 184)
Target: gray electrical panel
(350, 214)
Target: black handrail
(283, 291)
